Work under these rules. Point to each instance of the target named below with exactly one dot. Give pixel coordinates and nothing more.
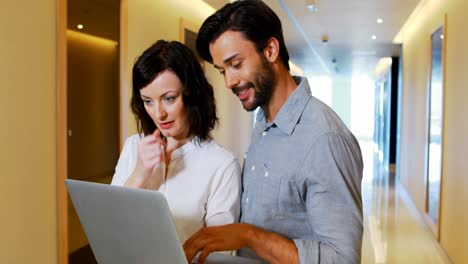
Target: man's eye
(236, 66)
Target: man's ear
(271, 50)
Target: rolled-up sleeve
(330, 184)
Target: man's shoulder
(322, 118)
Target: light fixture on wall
(80, 26)
(312, 5)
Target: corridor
(394, 230)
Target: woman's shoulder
(131, 143)
(213, 149)
(133, 139)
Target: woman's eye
(169, 99)
(147, 102)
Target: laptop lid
(125, 225)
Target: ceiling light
(441, 36)
(379, 20)
(312, 5)
(79, 26)
(374, 37)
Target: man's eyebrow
(227, 60)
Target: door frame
(61, 133)
(61, 116)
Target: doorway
(92, 41)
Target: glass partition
(435, 128)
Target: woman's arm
(223, 205)
(126, 163)
(148, 172)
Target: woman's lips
(166, 125)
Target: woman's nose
(160, 112)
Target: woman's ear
(271, 50)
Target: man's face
(246, 72)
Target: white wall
(416, 66)
(27, 134)
(148, 21)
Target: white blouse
(202, 185)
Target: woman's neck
(173, 144)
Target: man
(301, 199)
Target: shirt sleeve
(223, 205)
(127, 161)
(330, 184)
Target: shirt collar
(186, 148)
(292, 109)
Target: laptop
(126, 225)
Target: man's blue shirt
(302, 179)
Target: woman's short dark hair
(197, 93)
(253, 18)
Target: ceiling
(99, 17)
(349, 26)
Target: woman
(174, 152)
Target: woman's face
(162, 99)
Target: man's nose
(231, 80)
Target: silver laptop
(126, 225)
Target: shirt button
(264, 133)
(253, 168)
(245, 156)
(247, 200)
(266, 174)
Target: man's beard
(262, 85)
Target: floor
(83, 255)
(394, 230)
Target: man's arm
(329, 183)
(272, 247)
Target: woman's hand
(149, 171)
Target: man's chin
(249, 107)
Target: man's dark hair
(197, 93)
(252, 18)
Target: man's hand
(216, 238)
(270, 246)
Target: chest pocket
(281, 181)
(271, 179)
